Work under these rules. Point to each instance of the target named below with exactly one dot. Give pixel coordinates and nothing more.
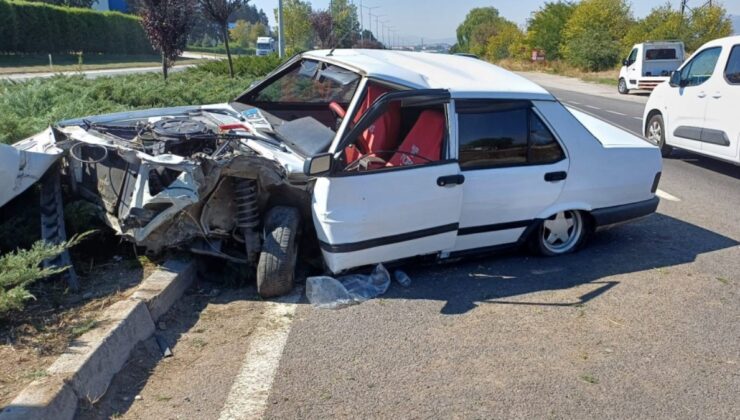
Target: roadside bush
(251, 66)
(29, 107)
(43, 28)
(20, 268)
(221, 49)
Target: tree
(662, 23)
(508, 42)
(323, 25)
(166, 23)
(345, 23)
(245, 33)
(479, 26)
(297, 25)
(592, 36)
(367, 40)
(218, 11)
(545, 27)
(708, 23)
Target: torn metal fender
(25, 162)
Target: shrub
(220, 49)
(43, 28)
(28, 107)
(20, 268)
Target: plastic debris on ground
(329, 293)
(402, 278)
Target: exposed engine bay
(193, 176)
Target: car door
(687, 103)
(384, 212)
(633, 67)
(514, 169)
(721, 131)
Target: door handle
(717, 95)
(444, 181)
(701, 94)
(556, 176)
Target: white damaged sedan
(374, 156)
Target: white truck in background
(649, 64)
(265, 46)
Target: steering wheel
(368, 160)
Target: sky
(436, 20)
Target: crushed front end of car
(176, 177)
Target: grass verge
(606, 77)
(39, 63)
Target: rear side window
(660, 54)
(732, 71)
(500, 134)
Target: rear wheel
(560, 234)
(622, 87)
(277, 263)
(655, 133)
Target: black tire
(577, 235)
(655, 133)
(277, 263)
(622, 87)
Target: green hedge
(43, 28)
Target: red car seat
(424, 142)
(383, 134)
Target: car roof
(730, 40)
(461, 76)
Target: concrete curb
(86, 368)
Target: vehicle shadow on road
(656, 242)
(724, 168)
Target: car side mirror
(675, 80)
(318, 165)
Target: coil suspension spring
(247, 215)
(247, 211)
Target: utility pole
(370, 18)
(281, 31)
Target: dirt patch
(208, 331)
(32, 339)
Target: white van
(650, 64)
(265, 46)
(698, 109)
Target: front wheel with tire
(560, 234)
(276, 267)
(622, 87)
(655, 133)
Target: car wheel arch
(650, 115)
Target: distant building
(115, 5)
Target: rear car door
(687, 103)
(721, 131)
(514, 169)
(394, 205)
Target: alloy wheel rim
(561, 232)
(655, 132)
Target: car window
(732, 71)
(504, 134)
(311, 82)
(701, 67)
(660, 54)
(633, 56)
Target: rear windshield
(661, 54)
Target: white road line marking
(574, 103)
(615, 112)
(665, 196)
(248, 396)
(592, 107)
(638, 118)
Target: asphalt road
(644, 322)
